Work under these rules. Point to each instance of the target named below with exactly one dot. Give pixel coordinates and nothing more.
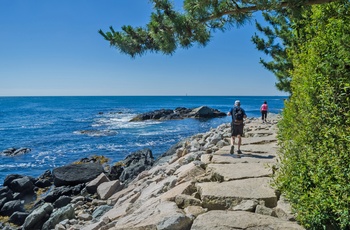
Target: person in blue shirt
(238, 114)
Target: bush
(314, 133)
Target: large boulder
(75, 174)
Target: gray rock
(18, 218)
(107, 189)
(239, 170)
(66, 212)
(57, 192)
(135, 163)
(10, 207)
(175, 222)
(184, 201)
(22, 185)
(91, 187)
(100, 210)
(261, 209)
(62, 201)
(38, 217)
(228, 194)
(246, 205)
(225, 220)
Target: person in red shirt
(263, 109)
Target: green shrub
(314, 133)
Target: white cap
(237, 102)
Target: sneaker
(232, 149)
(239, 151)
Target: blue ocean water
(60, 130)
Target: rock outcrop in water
(179, 113)
(15, 151)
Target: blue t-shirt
(237, 112)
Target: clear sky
(52, 48)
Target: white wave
(154, 143)
(122, 121)
(18, 165)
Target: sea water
(61, 130)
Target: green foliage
(314, 133)
(170, 29)
(278, 38)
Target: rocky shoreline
(197, 184)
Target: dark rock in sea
(14, 152)
(18, 218)
(155, 115)
(97, 133)
(75, 174)
(135, 163)
(179, 113)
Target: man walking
(238, 114)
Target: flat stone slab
(225, 220)
(226, 195)
(259, 140)
(270, 148)
(240, 170)
(244, 158)
(266, 149)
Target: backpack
(238, 113)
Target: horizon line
(144, 95)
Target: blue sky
(52, 48)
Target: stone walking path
(202, 186)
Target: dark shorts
(237, 129)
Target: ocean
(61, 130)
